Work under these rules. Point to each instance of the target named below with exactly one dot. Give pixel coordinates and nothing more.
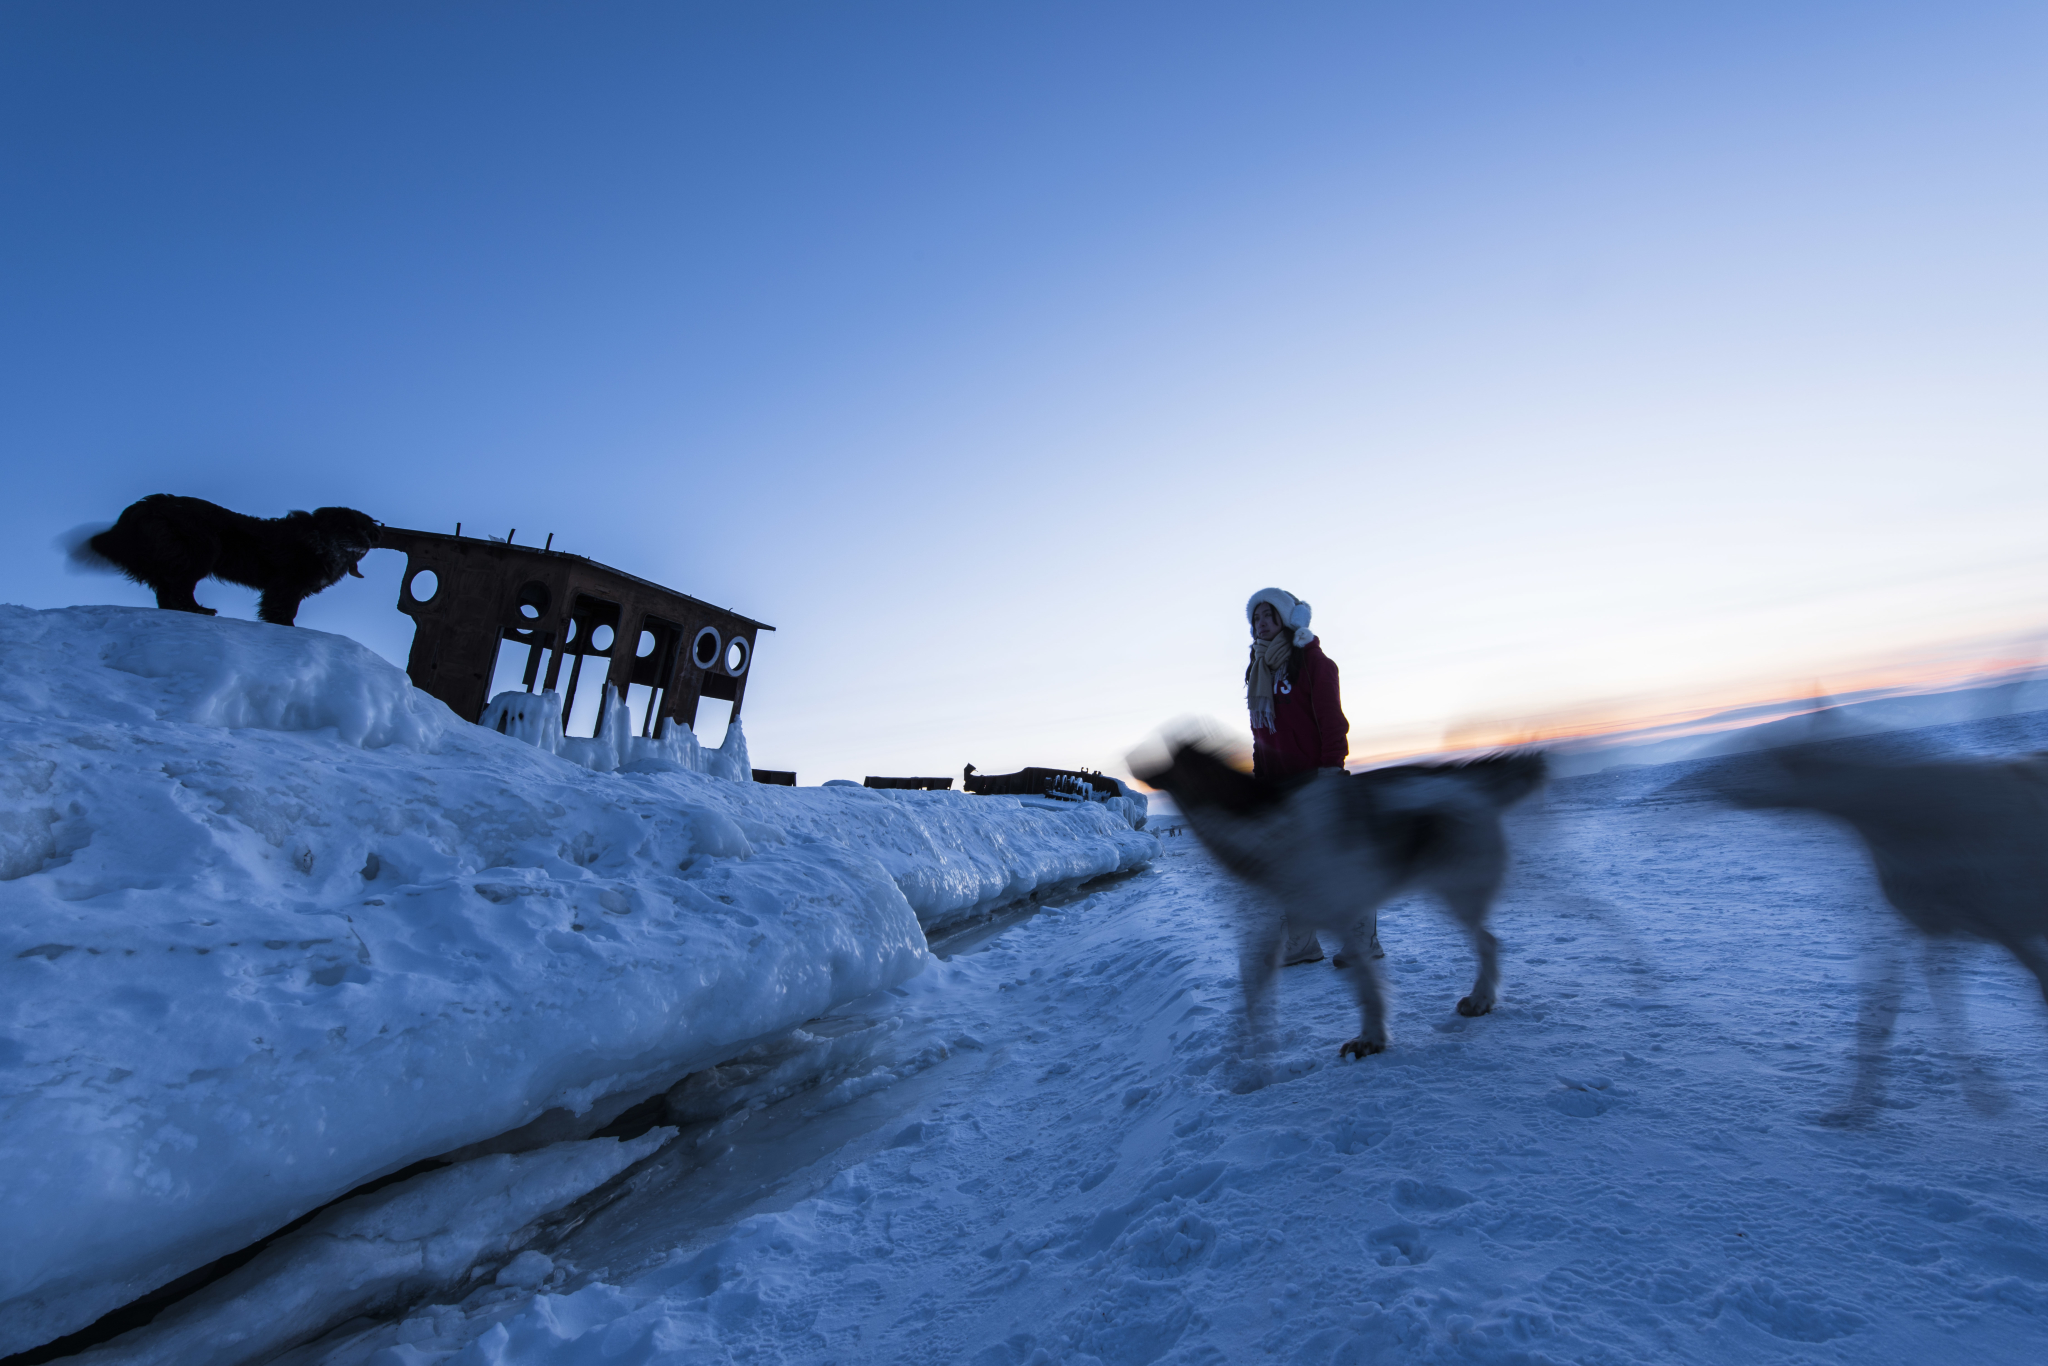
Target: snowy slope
(273, 923)
(1621, 1165)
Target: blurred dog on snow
(168, 544)
(1960, 848)
(1326, 851)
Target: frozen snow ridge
(537, 719)
(274, 924)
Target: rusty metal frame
(490, 592)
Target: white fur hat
(1293, 611)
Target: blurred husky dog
(1325, 852)
(168, 544)
(1960, 848)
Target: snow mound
(273, 924)
(209, 671)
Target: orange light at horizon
(1674, 718)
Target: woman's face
(1265, 621)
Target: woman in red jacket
(1298, 724)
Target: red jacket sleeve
(1332, 730)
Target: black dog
(169, 544)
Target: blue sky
(1575, 360)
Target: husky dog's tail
(79, 555)
(1508, 776)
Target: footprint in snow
(1351, 1136)
(1398, 1244)
(1583, 1097)
(1427, 1197)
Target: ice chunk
(401, 1243)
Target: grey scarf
(1269, 670)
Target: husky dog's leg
(1485, 987)
(1469, 906)
(1258, 960)
(1980, 1083)
(1368, 988)
(2033, 955)
(1876, 1015)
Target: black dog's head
(346, 536)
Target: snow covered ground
(1042, 1150)
(273, 924)
(1043, 1146)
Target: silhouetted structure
(1036, 782)
(468, 597)
(913, 784)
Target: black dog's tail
(79, 552)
